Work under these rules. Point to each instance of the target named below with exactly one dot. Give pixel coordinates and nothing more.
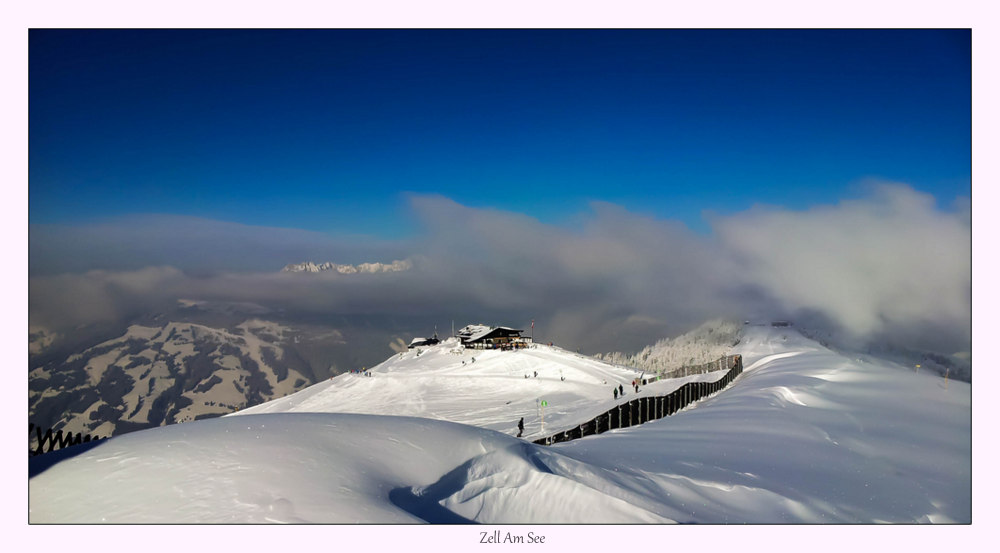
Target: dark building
(491, 337)
(417, 342)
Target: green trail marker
(544, 404)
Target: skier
(615, 390)
(621, 391)
(520, 427)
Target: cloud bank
(891, 265)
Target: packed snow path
(804, 435)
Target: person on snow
(615, 390)
(520, 427)
(621, 391)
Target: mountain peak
(310, 267)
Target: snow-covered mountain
(804, 435)
(166, 374)
(310, 267)
(490, 389)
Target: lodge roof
(472, 333)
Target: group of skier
(620, 390)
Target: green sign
(545, 403)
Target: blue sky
(332, 131)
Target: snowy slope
(806, 435)
(803, 435)
(484, 388)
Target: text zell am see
(497, 536)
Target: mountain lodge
(478, 336)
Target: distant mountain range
(310, 267)
(173, 373)
(195, 360)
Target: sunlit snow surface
(803, 435)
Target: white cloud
(879, 265)
(891, 264)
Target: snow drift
(804, 435)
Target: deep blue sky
(328, 130)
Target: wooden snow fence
(48, 441)
(648, 408)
